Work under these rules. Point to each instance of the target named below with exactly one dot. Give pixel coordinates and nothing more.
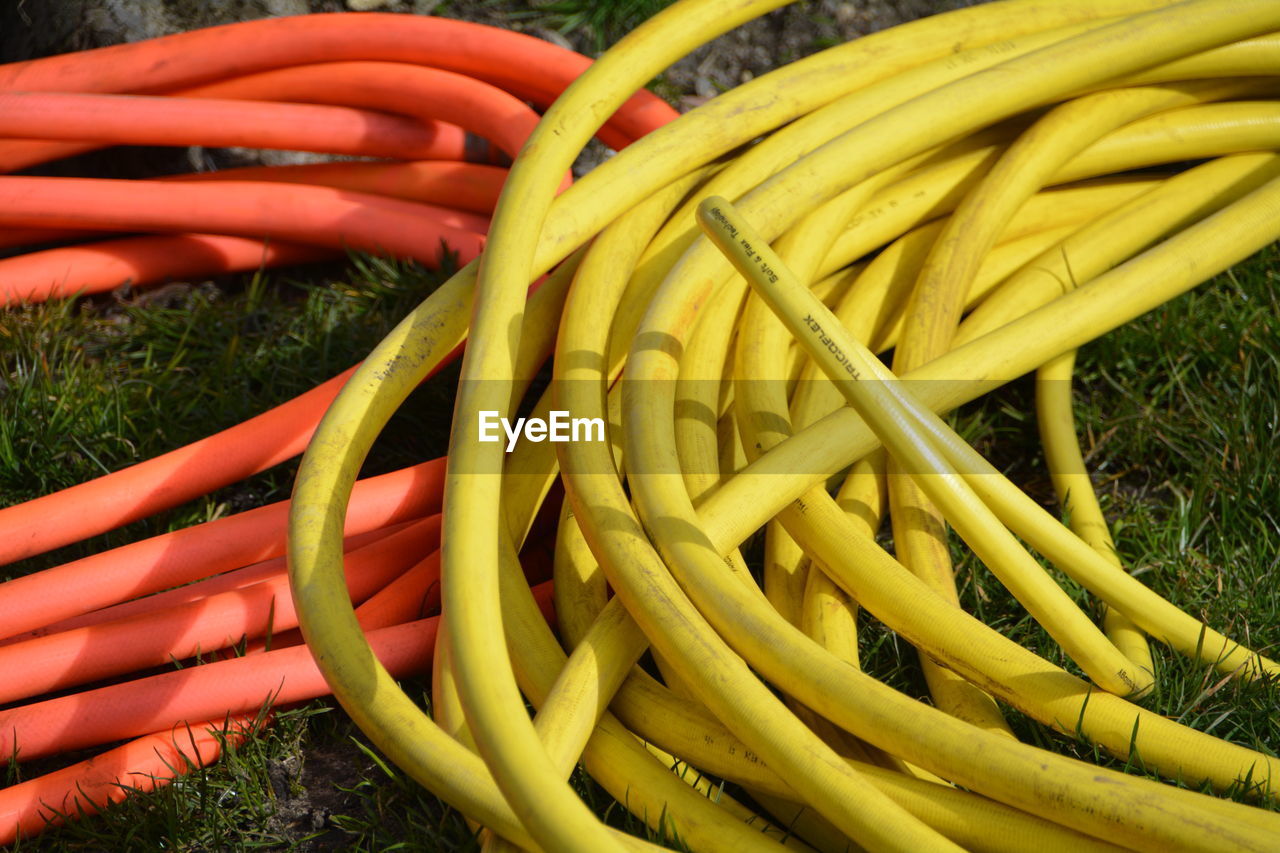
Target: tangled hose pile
(434, 94)
(981, 192)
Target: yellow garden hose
(1075, 492)
(986, 155)
(938, 298)
(810, 321)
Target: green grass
(604, 23)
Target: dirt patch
(310, 789)
(783, 36)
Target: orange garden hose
(528, 67)
(284, 109)
(138, 766)
(471, 187)
(461, 186)
(238, 50)
(145, 120)
(80, 655)
(317, 215)
(413, 89)
(241, 685)
(226, 581)
(171, 559)
(229, 693)
(104, 265)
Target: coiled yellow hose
(984, 116)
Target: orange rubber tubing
(193, 58)
(240, 578)
(446, 142)
(320, 216)
(173, 478)
(137, 761)
(231, 687)
(339, 115)
(104, 266)
(413, 595)
(414, 91)
(526, 66)
(167, 64)
(142, 765)
(469, 187)
(416, 593)
(172, 559)
(82, 655)
(151, 120)
(460, 101)
(472, 187)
